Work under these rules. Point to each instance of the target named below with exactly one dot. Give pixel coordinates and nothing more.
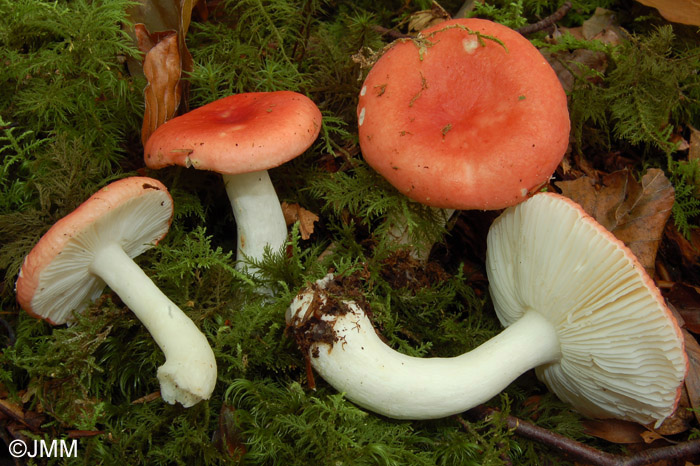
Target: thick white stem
(189, 373)
(378, 378)
(258, 214)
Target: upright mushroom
(577, 304)
(242, 136)
(95, 245)
(468, 115)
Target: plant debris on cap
(54, 279)
(469, 115)
(622, 352)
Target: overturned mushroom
(95, 245)
(577, 306)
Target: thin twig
(582, 453)
(392, 34)
(546, 22)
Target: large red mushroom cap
(467, 116)
(241, 133)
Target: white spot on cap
(363, 91)
(523, 192)
(361, 118)
(470, 45)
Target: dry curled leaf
(635, 212)
(295, 212)
(680, 421)
(163, 15)
(163, 91)
(228, 437)
(686, 301)
(689, 249)
(16, 413)
(694, 144)
(166, 57)
(571, 66)
(692, 379)
(677, 11)
(426, 18)
(615, 430)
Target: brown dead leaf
(686, 301)
(296, 213)
(694, 144)
(677, 11)
(29, 419)
(426, 18)
(692, 379)
(680, 421)
(145, 40)
(689, 249)
(636, 213)
(650, 436)
(163, 15)
(163, 70)
(228, 437)
(12, 410)
(615, 430)
(166, 57)
(598, 24)
(570, 66)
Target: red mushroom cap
(55, 279)
(467, 116)
(241, 133)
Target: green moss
(69, 123)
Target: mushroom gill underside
(576, 305)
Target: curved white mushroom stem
(258, 215)
(344, 348)
(399, 233)
(189, 373)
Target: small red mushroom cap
(467, 116)
(55, 280)
(241, 133)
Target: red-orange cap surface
(468, 116)
(55, 279)
(241, 133)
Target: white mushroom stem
(189, 373)
(376, 377)
(258, 215)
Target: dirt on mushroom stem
(311, 328)
(400, 270)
